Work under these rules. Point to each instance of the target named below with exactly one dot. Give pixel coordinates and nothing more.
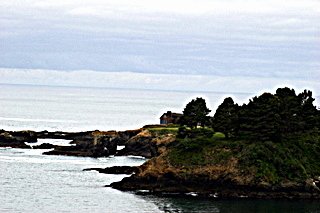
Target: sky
(216, 45)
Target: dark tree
(289, 111)
(225, 119)
(195, 113)
(260, 120)
(309, 112)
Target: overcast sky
(272, 41)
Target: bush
(219, 135)
(184, 132)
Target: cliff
(217, 167)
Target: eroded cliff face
(223, 180)
(146, 144)
(158, 175)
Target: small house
(170, 118)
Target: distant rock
(95, 151)
(89, 143)
(63, 135)
(44, 146)
(115, 170)
(92, 144)
(17, 139)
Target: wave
(59, 142)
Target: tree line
(268, 117)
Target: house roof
(171, 115)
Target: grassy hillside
(295, 159)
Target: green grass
(294, 160)
(164, 130)
(200, 151)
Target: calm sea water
(78, 109)
(32, 182)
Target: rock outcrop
(157, 177)
(44, 146)
(92, 144)
(139, 142)
(219, 180)
(62, 135)
(140, 145)
(17, 139)
(89, 143)
(146, 144)
(124, 136)
(115, 170)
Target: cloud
(184, 7)
(207, 37)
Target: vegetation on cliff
(269, 147)
(196, 113)
(269, 117)
(271, 162)
(274, 138)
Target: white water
(57, 142)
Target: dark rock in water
(44, 146)
(137, 142)
(25, 136)
(115, 170)
(109, 142)
(93, 144)
(94, 151)
(89, 144)
(16, 139)
(64, 135)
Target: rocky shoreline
(157, 175)
(17, 139)
(221, 189)
(86, 144)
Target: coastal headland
(220, 168)
(268, 148)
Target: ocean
(78, 109)
(32, 182)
